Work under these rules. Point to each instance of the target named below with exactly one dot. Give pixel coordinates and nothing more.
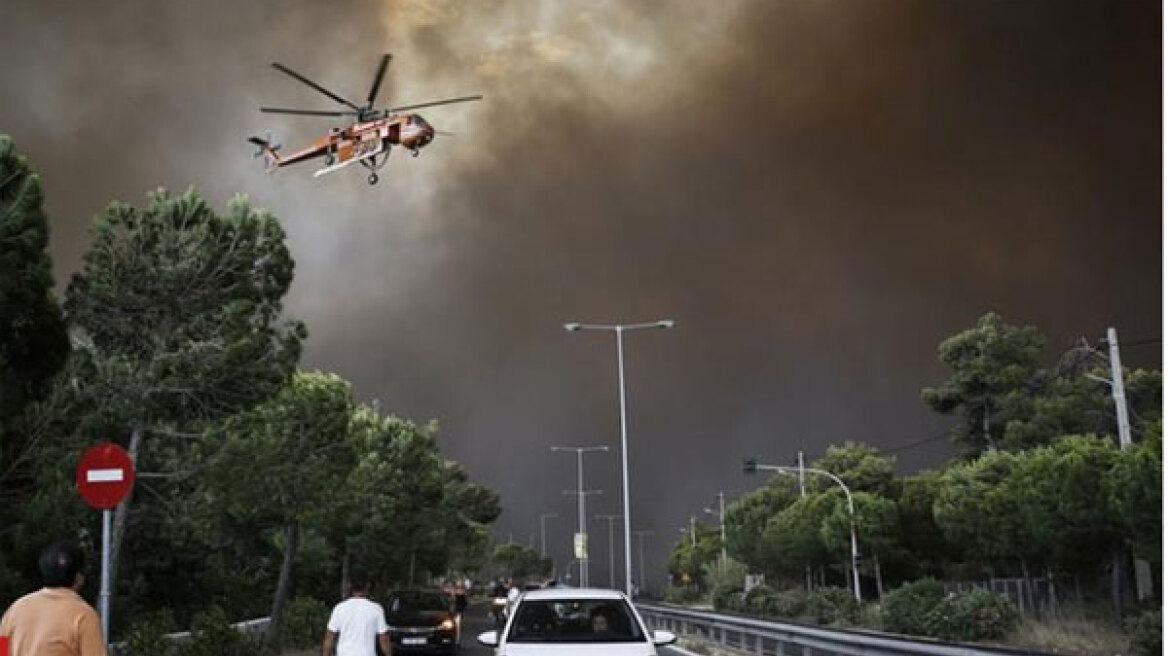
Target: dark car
(423, 621)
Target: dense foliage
(260, 487)
(1043, 492)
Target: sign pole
(105, 475)
(104, 601)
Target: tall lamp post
(611, 554)
(721, 512)
(620, 330)
(751, 465)
(543, 532)
(581, 493)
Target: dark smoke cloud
(818, 191)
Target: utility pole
(611, 550)
(1117, 391)
(543, 532)
(580, 542)
(721, 520)
(802, 495)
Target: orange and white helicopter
(367, 140)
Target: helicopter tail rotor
(268, 151)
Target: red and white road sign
(105, 475)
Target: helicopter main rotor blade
(314, 85)
(448, 101)
(305, 112)
(377, 79)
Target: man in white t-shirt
(356, 625)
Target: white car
(567, 621)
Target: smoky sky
(817, 191)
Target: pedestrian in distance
(357, 625)
(55, 620)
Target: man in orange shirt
(55, 620)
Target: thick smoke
(817, 191)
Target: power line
(913, 445)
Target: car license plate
(408, 640)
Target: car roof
(572, 593)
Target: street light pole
(851, 510)
(543, 532)
(721, 520)
(583, 518)
(620, 329)
(611, 554)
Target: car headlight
(447, 624)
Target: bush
(147, 636)
(213, 635)
(832, 605)
(722, 596)
(790, 603)
(303, 622)
(905, 608)
(1146, 633)
(680, 595)
(976, 614)
(758, 600)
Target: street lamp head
(571, 327)
(665, 323)
(708, 511)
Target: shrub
(831, 605)
(213, 635)
(303, 622)
(147, 636)
(976, 614)
(722, 596)
(905, 608)
(1146, 633)
(790, 603)
(680, 594)
(756, 601)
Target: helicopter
(366, 141)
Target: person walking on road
(357, 625)
(55, 620)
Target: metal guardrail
(785, 639)
(246, 627)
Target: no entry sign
(105, 475)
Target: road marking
(104, 475)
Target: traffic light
(749, 465)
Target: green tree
(793, 536)
(1135, 492)
(33, 344)
(978, 509)
(693, 552)
(877, 531)
(518, 562)
(290, 452)
(747, 517)
(178, 310)
(860, 467)
(925, 551)
(992, 365)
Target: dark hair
(60, 563)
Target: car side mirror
(662, 638)
(491, 638)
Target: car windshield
(410, 602)
(575, 620)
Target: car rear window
(575, 620)
(409, 602)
